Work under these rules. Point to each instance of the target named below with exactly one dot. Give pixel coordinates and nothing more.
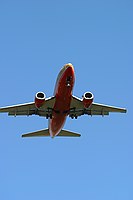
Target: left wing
(77, 108)
(30, 108)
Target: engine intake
(39, 99)
(88, 99)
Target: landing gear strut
(73, 116)
(48, 116)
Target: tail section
(45, 132)
(66, 133)
(40, 133)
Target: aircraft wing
(30, 108)
(77, 108)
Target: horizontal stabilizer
(68, 134)
(45, 132)
(40, 133)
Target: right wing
(30, 108)
(77, 108)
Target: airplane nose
(69, 64)
(69, 67)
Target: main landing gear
(48, 116)
(73, 116)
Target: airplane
(62, 104)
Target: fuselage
(63, 94)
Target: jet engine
(39, 99)
(87, 99)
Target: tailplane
(66, 133)
(45, 132)
(40, 133)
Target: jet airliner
(62, 104)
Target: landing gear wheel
(50, 116)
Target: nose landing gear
(68, 81)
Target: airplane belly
(56, 124)
(60, 112)
(63, 95)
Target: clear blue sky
(37, 38)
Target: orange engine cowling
(88, 99)
(39, 99)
